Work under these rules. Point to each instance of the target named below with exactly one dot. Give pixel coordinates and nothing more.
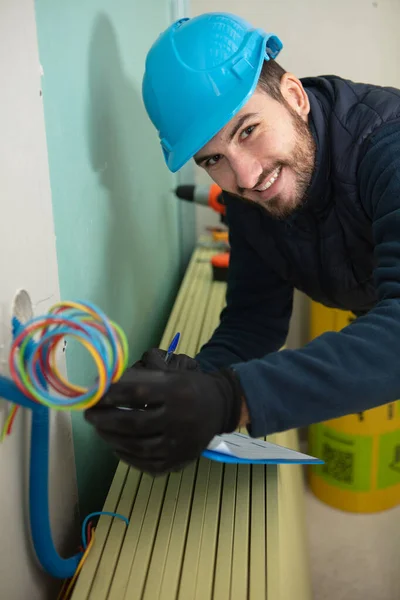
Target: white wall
(356, 39)
(28, 260)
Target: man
(311, 174)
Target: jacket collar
(319, 191)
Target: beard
(301, 163)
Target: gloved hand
(173, 417)
(155, 359)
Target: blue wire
(95, 514)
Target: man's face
(266, 153)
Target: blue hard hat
(199, 73)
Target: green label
(389, 459)
(348, 458)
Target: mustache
(261, 179)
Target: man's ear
(295, 95)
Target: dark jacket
(342, 248)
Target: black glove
(155, 359)
(173, 417)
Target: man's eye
(246, 132)
(213, 161)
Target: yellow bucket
(361, 452)
(362, 460)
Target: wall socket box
(21, 307)
(5, 339)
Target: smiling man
(266, 154)
(311, 176)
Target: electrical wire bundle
(33, 364)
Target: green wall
(118, 226)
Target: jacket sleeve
(258, 308)
(357, 368)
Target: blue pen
(172, 347)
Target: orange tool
(220, 264)
(206, 195)
(211, 196)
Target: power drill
(211, 196)
(206, 195)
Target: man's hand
(155, 359)
(172, 418)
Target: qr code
(396, 454)
(338, 464)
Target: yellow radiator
(211, 531)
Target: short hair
(270, 79)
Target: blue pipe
(42, 539)
(10, 392)
(48, 556)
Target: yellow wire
(78, 569)
(7, 422)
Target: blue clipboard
(238, 448)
